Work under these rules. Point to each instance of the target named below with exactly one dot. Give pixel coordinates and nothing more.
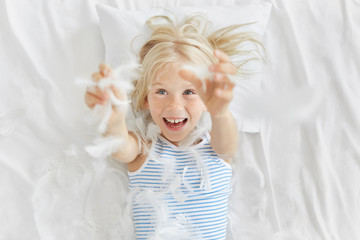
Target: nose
(175, 103)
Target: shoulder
(141, 158)
(137, 163)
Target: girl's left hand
(219, 91)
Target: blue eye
(161, 92)
(189, 92)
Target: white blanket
(299, 177)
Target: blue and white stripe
(181, 192)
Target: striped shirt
(181, 193)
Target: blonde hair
(188, 42)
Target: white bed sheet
(299, 177)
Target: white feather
(104, 147)
(121, 78)
(201, 71)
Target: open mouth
(175, 123)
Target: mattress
(297, 171)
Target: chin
(174, 139)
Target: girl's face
(174, 104)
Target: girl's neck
(178, 143)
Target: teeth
(175, 120)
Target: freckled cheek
(156, 105)
(196, 108)
(196, 102)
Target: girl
(179, 192)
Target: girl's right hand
(96, 96)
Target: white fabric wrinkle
(9, 120)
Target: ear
(146, 103)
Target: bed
(298, 168)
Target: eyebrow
(188, 85)
(156, 83)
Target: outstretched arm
(116, 125)
(217, 96)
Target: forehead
(169, 76)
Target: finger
(98, 93)
(224, 95)
(220, 77)
(191, 77)
(105, 70)
(231, 86)
(227, 68)
(223, 57)
(218, 81)
(207, 91)
(96, 77)
(221, 81)
(91, 100)
(118, 94)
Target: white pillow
(119, 29)
(140, 5)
